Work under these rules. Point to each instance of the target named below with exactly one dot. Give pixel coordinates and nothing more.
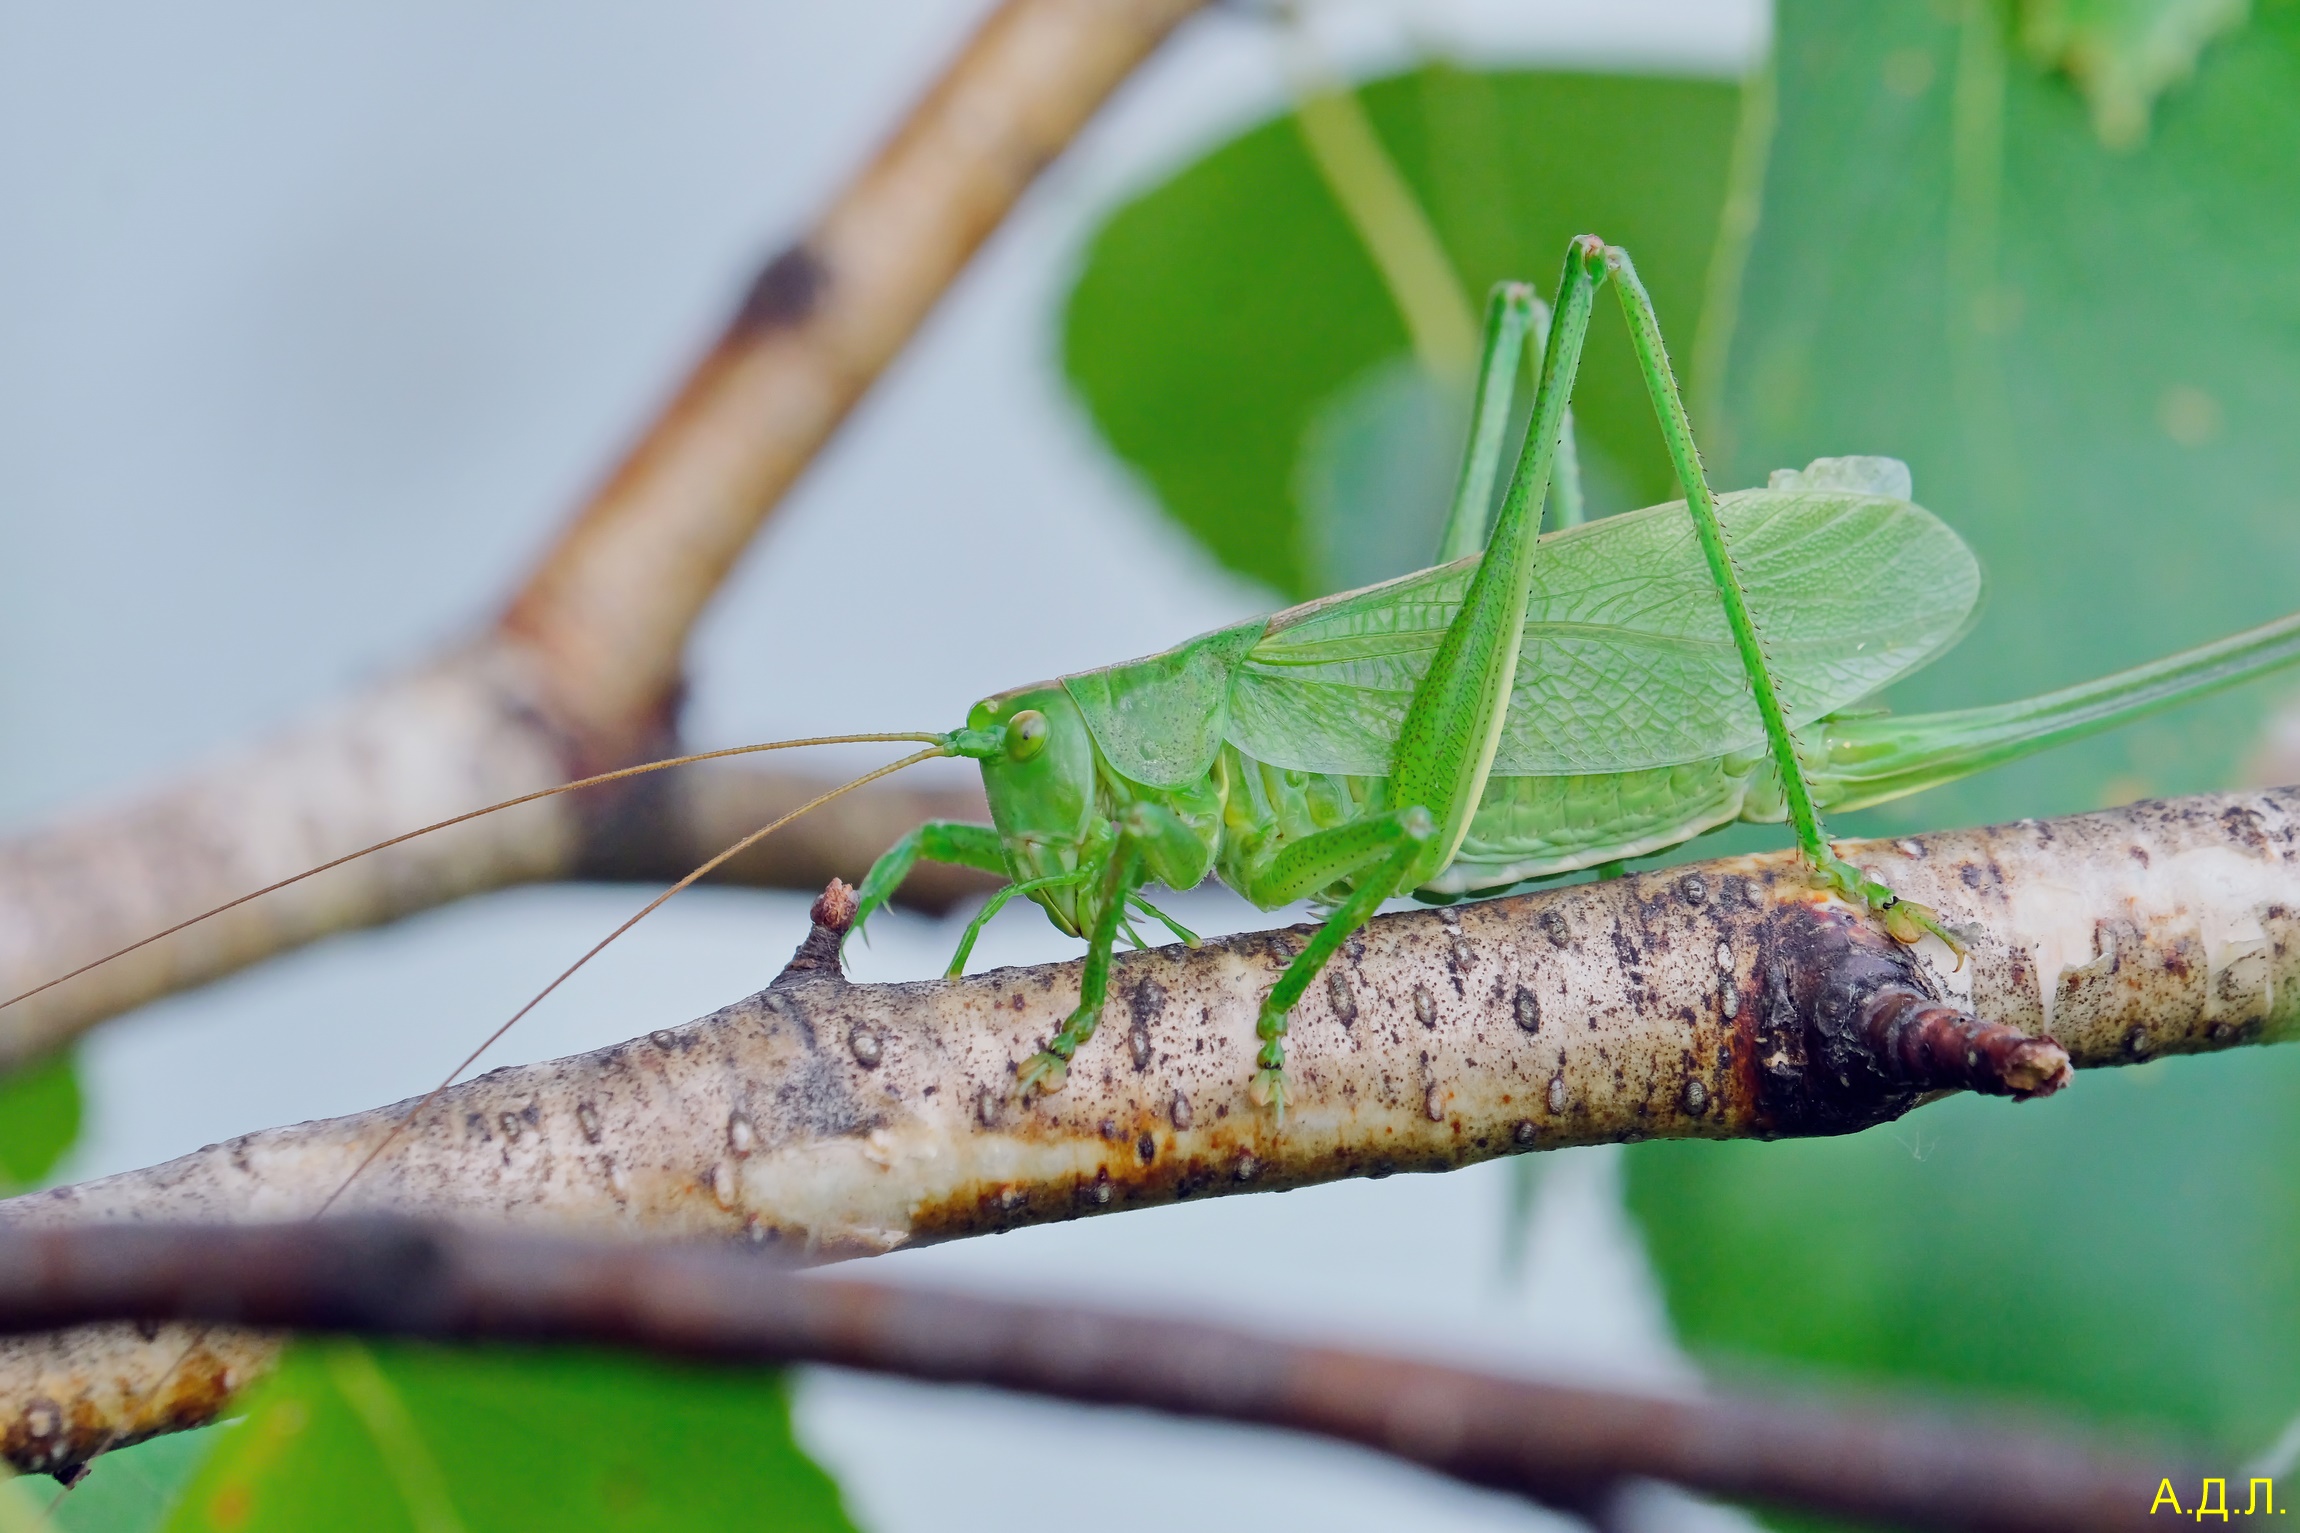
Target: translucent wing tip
(1861, 475)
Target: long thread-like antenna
(509, 803)
(749, 841)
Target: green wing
(1627, 663)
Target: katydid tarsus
(1553, 703)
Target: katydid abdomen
(1523, 828)
(1534, 827)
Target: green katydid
(1557, 703)
(1553, 703)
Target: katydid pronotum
(1555, 703)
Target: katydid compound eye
(1026, 734)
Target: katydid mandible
(1553, 703)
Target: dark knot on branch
(1852, 1033)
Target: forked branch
(1570, 1448)
(582, 671)
(827, 1119)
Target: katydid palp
(1553, 703)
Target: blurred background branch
(582, 672)
(1579, 1450)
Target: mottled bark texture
(582, 670)
(1575, 1449)
(826, 1119)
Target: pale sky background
(314, 321)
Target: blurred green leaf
(129, 1490)
(39, 1119)
(2091, 360)
(2124, 53)
(1391, 437)
(1235, 343)
(2123, 1251)
(352, 1437)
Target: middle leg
(1377, 853)
(1150, 837)
(1453, 724)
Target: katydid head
(1041, 787)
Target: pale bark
(827, 1119)
(582, 670)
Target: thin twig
(611, 605)
(1558, 1445)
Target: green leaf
(2088, 360)
(2123, 1252)
(1390, 437)
(39, 1119)
(129, 1490)
(2124, 53)
(2085, 358)
(1235, 343)
(435, 1440)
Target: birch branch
(825, 1119)
(581, 672)
(1569, 1448)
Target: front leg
(952, 841)
(1150, 837)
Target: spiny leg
(1049, 1068)
(1565, 506)
(951, 841)
(993, 906)
(1381, 850)
(1905, 919)
(1149, 836)
(1453, 724)
(1515, 319)
(1182, 934)
(1509, 318)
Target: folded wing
(1626, 662)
